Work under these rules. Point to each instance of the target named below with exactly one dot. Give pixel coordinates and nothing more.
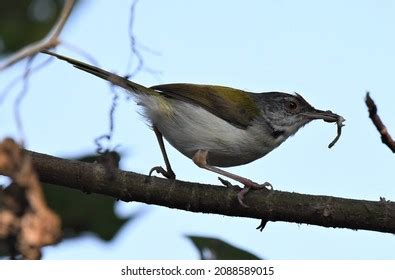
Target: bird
(216, 126)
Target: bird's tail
(111, 77)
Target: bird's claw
(247, 186)
(265, 185)
(228, 184)
(252, 185)
(169, 174)
(268, 186)
(241, 195)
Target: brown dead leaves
(25, 219)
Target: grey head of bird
(286, 113)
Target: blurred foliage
(216, 249)
(3, 250)
(82, 213)
(25, 21)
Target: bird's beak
(327, 116)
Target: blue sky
(330, 52)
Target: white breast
(189, 128)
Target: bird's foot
(248, 184)
(169, 174)
(256, 186)
(228, 184)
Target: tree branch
(267, 205)
(385, 136)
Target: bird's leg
(168, 173)
(200, 159)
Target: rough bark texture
(273, 206)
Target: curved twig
(385, 136)
(51, 40)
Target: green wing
(233, 105)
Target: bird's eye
(292, 106)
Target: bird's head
(286, 113)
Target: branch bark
(272, 206)
(385, 136)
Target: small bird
(216, 126)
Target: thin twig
(100, 149)
(21, 95)
(385, 136)
(136, 48)
(51, 40)
(133, 43)
(15, 81)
